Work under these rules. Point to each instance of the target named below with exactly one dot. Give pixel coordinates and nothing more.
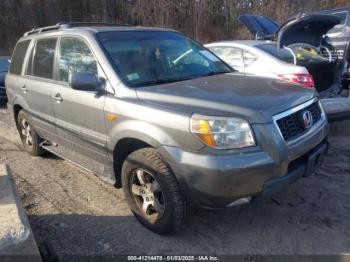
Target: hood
(307, 29)
(253, 98)
(261, 27)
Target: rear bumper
(337, 108)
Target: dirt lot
(72, 212)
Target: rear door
(37, 85)
(80, 123)
(261, 27)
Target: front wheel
(30, 139)
(152, 191)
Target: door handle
(24, 89)
(57, 97)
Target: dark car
(308, 34)
(339, 38)
(4, 66)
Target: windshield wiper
(165, 81)
(211, 73)
(172, 80)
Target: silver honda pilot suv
(154, 112)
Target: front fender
(140, 130)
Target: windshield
(303, 54)
(4, 64)
(144, 58)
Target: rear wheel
(30, 139)
(152, 191)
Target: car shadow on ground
(288, 224)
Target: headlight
(222, 132)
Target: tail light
(303, 79)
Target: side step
(81, 161)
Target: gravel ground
(73, 212)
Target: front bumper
(304, 166)
(215, 179)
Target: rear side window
(231, 55)
(249, 58)
(43, 59)
(18, 57)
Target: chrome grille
(292, 125)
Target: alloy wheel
(26, 132)
(147, 193)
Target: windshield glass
(4, 64)
(144, 58)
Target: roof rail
(69, 25)
(77, 24)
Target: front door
(79, 115)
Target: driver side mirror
(85, 81)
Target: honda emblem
(308, 119)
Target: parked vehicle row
(300, 54)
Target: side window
(249, 58)
(75, 56)
(43, 59)
(18, 57)
(231, 55)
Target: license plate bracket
(315, 159)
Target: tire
(167, 208)
(29, 137)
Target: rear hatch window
(308, 55)
(281, 54)
(303, 54)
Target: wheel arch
(122, 149)
(18, 104)
(16, 109)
